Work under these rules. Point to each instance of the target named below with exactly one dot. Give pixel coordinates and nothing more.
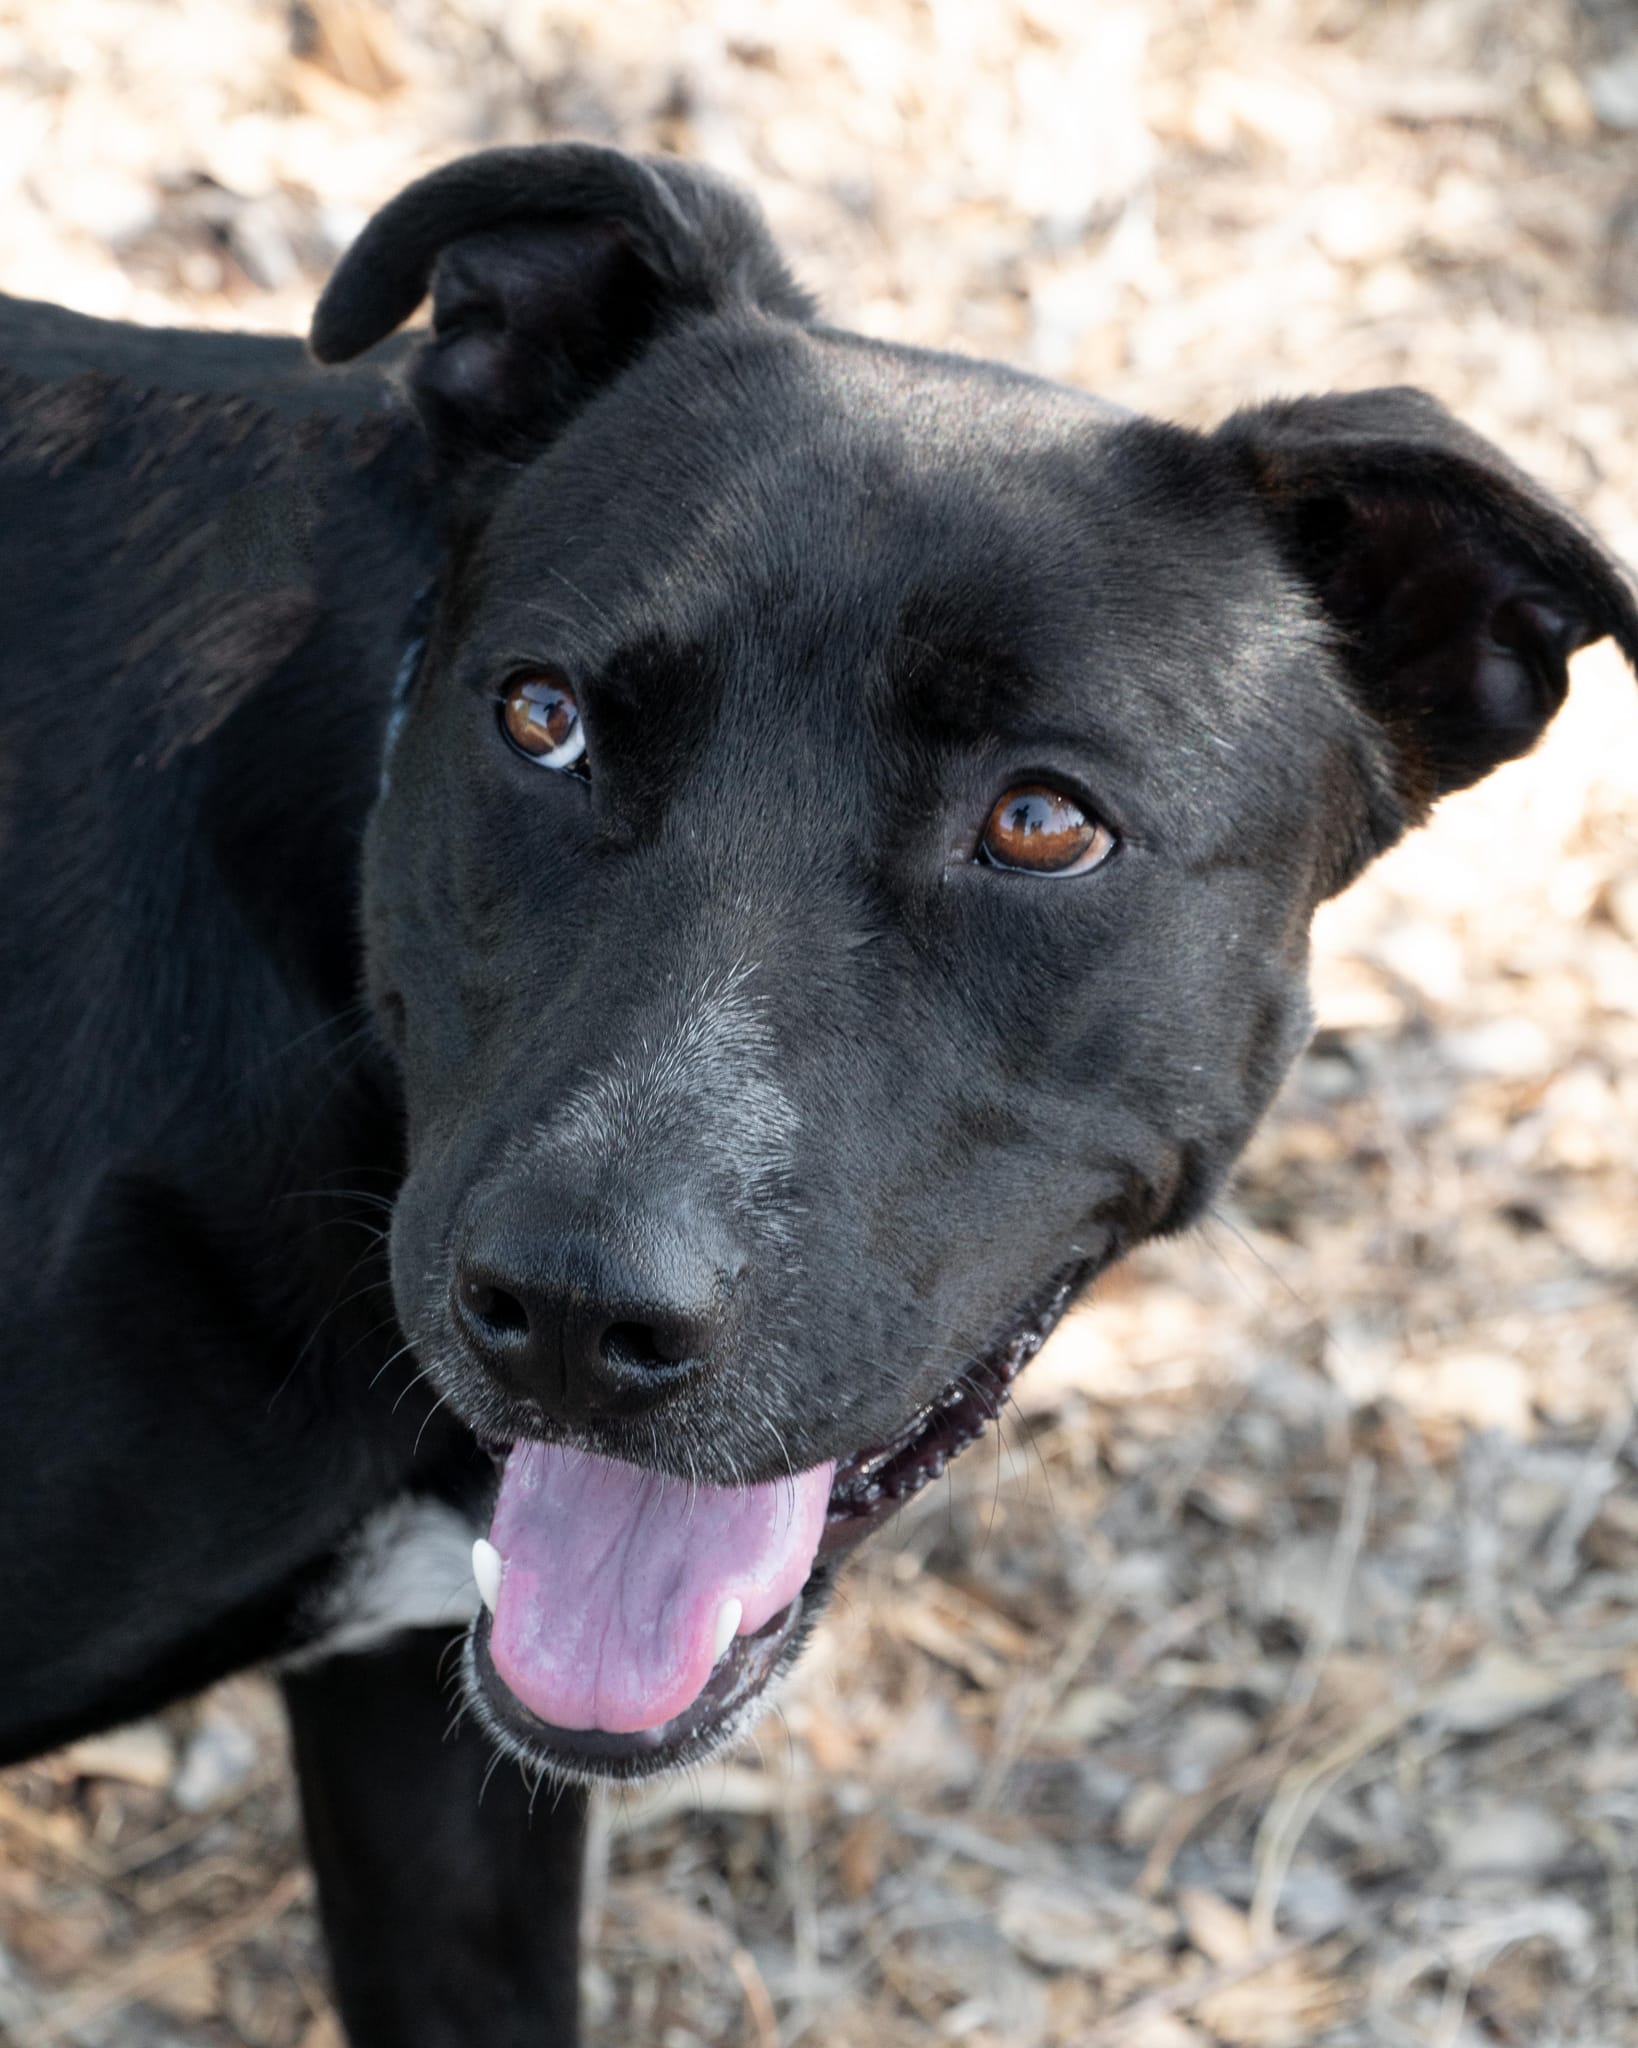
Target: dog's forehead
(748, 452)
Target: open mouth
(634, 1622)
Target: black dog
(767, 859)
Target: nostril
(495, 1315)
(643, 1347)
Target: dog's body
(198, 1468)
(966, 761)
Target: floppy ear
(551, 269)
(1456, 586)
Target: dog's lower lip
(740, 1675)
(867, 1489)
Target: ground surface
(1276, 1681)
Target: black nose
(598, 1315)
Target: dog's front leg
(451, 1909)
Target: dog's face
(843, 877)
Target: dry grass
(1274, 1681)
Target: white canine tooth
(729, 1617)
(486, 1569)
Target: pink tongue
(613, 1579)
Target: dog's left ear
(551, 270)
(1457, 588)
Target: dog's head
(844, 876)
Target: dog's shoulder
(53, 345)
(208, 553)
(146, 464)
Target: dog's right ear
(551, 269)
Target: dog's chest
(408, 1567)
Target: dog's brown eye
(1040, 831)
(542, 720)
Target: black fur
(823, 600)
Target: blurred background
(1273, 1679)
